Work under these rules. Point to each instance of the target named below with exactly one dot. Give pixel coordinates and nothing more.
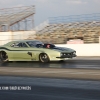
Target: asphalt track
(78, 68)
(76, 79)
(29, 88)
(79, 62)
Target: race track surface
(76, 79)
(29, 88)
(79, 68)
(79, 62)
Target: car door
(20, 51)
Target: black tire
(43, 57)
(61, 61)
(3, 57)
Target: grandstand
(57, 30)
(17, 18)
(61, 29)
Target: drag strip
(76, 79)
(79, 62)
(80, 68)
(29, 88)
(52, 73)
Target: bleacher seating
(59, 33)
(11, 16)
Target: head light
(74, 52)
(61, 54)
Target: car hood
(63, 49)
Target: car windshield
(34, 43)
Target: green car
(34, 50)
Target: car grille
(68, 54)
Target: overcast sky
(54, 8)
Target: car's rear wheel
(43, 57)
(3, 57)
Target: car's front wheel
(43, 57)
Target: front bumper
(67, 55)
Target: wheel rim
(44, 58)
(3, 57)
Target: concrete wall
(5, 37)
(84, 49)
(10, 36)
(81, 49)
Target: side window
(15, 44)
(18, 44)
(24, 45)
